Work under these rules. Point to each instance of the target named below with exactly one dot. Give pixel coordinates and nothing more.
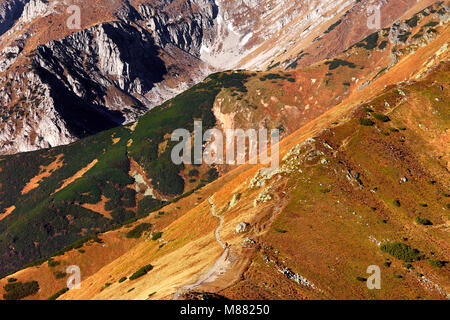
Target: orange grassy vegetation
(45, 172)
(7, 212)
(77, 175)
(331, 263)
(99, 207)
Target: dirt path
(221, 265)
(213, 212)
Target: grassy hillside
(375, 173)
(97, 168)
(338, 204)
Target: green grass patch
(401, 251)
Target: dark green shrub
(381, 117)
(383, 45)
(271, 66)
(141, 272)
(193, 173)
(19, 290)
(280, 230)
(213, 174)
(370, 42)
(157, 235)
(361, 279)
(366, 122)
(333, 26)
(147, 204)
(336, 63)
(137, 231)
(413, 21)
(423, 221)
(11, 280)
(60, 274)
(106, 285)
(431, 24)
(408, 266)
(53, 263)
(401, 251)
(403, 37)
(396, 203)
(436, 263)
(58, 294)
(123, 279)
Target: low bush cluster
(19, 290)
(58, 294)
(366, 122)
(401, 251)
(423, 221)
(141, 272)
(137, 231)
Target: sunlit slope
(324, 215)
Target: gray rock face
(242, 227)
(42, 127)
(187, 30)
(103, 76)
(109, 67)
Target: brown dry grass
(77, 175)
(44, 172)
(7, 212)
(99, 207)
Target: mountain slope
(348, 196)
(130, 56)
(351, 179)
